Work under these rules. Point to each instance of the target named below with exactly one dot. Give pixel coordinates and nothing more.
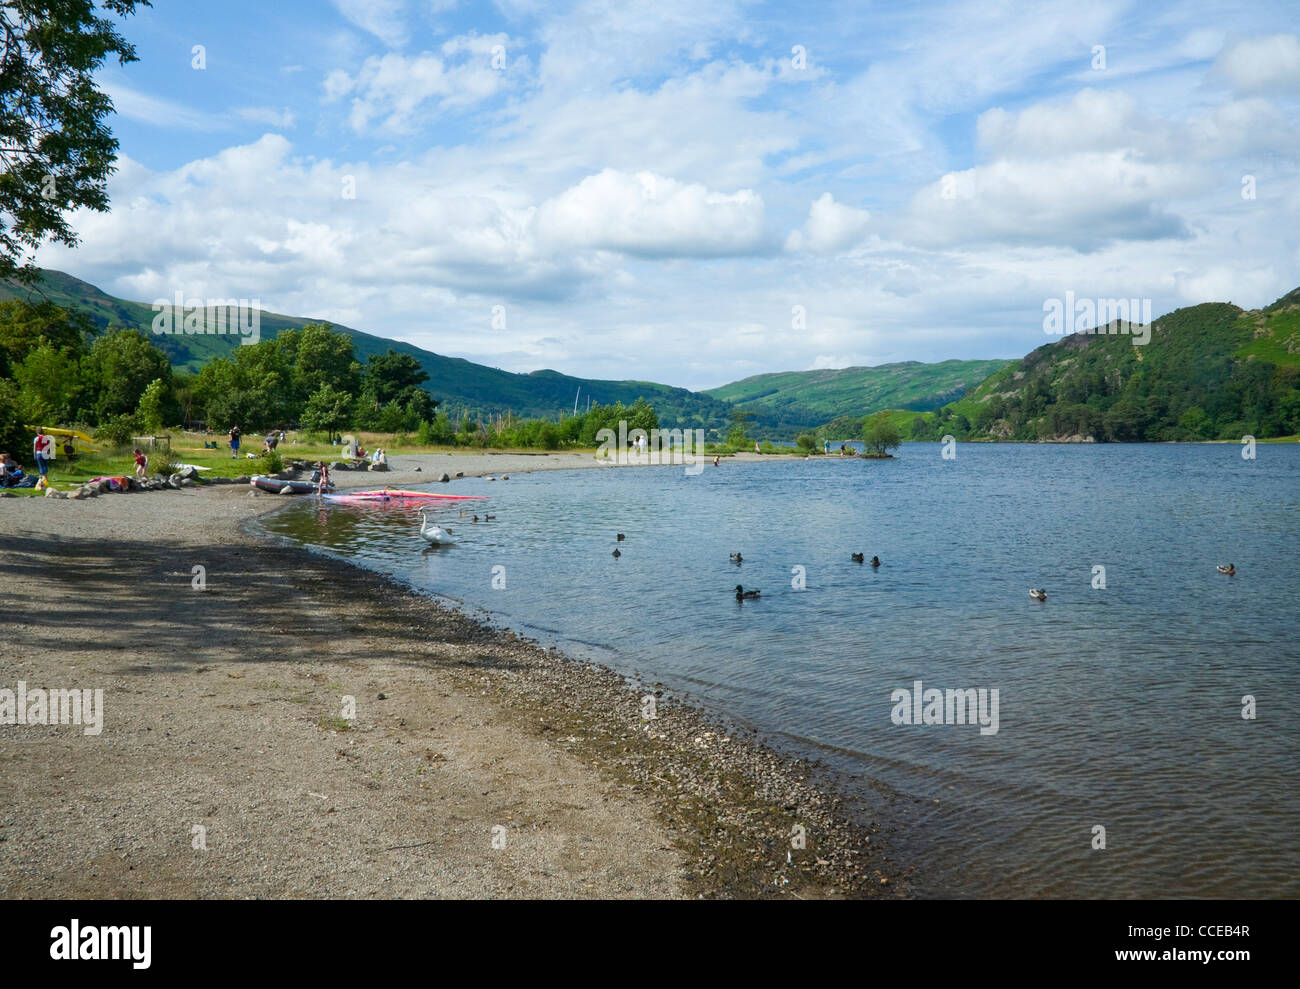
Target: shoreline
(594, 799)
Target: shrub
(272, 462)
(118, 429)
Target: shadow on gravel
(264, 602)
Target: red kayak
(394, 493)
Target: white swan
(435, 535)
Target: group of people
(273, 439)
(43, 447)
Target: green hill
(459, 384)
(1210, 371)
(797, 400)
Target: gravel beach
(297, 727)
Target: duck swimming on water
(1037, 595)
(737, 558)
(857, 557)
(1230, 569)
(744, 595)
(875, 561)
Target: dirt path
(223, 710)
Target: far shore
(475, 764)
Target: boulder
(287, 489)
(187, 482)
(242, 479)
(54, 493)
(185, 472)
(460, 473)
(340, 465)
(76, 494)
(377, 467)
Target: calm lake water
(1119, 707)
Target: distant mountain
(1210, 371)
(797, 400)
(459, 384)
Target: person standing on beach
(141, 462)
(234, 442)
(43, 448)
(323, 470)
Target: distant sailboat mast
(575, 399)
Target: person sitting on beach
(141, 462)
(380, 457)
(10, 472)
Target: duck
(744, 595)
(619, 537)
(617, 554)
(474, 519)
(488, 518)
(1230, 569)
(875, 561)
(857, 557)
(1037, 595)
(432, 533)
(737, 558)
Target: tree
(48, 381)
(879, 434)
(152, 403)
(740, 419)
(388, 374)
(119, 367)
(327, 411)
(319, 356)
(24, 326)
(56, 152)
(15, 440)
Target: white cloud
(649, 215)
(392, 90)
(156, 110)
(281, 119)
(1083, 201)
(1259, 65)
(385, 19)
(831, 227)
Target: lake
(1118, 706)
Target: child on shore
(141, 462)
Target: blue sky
(693, 193)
